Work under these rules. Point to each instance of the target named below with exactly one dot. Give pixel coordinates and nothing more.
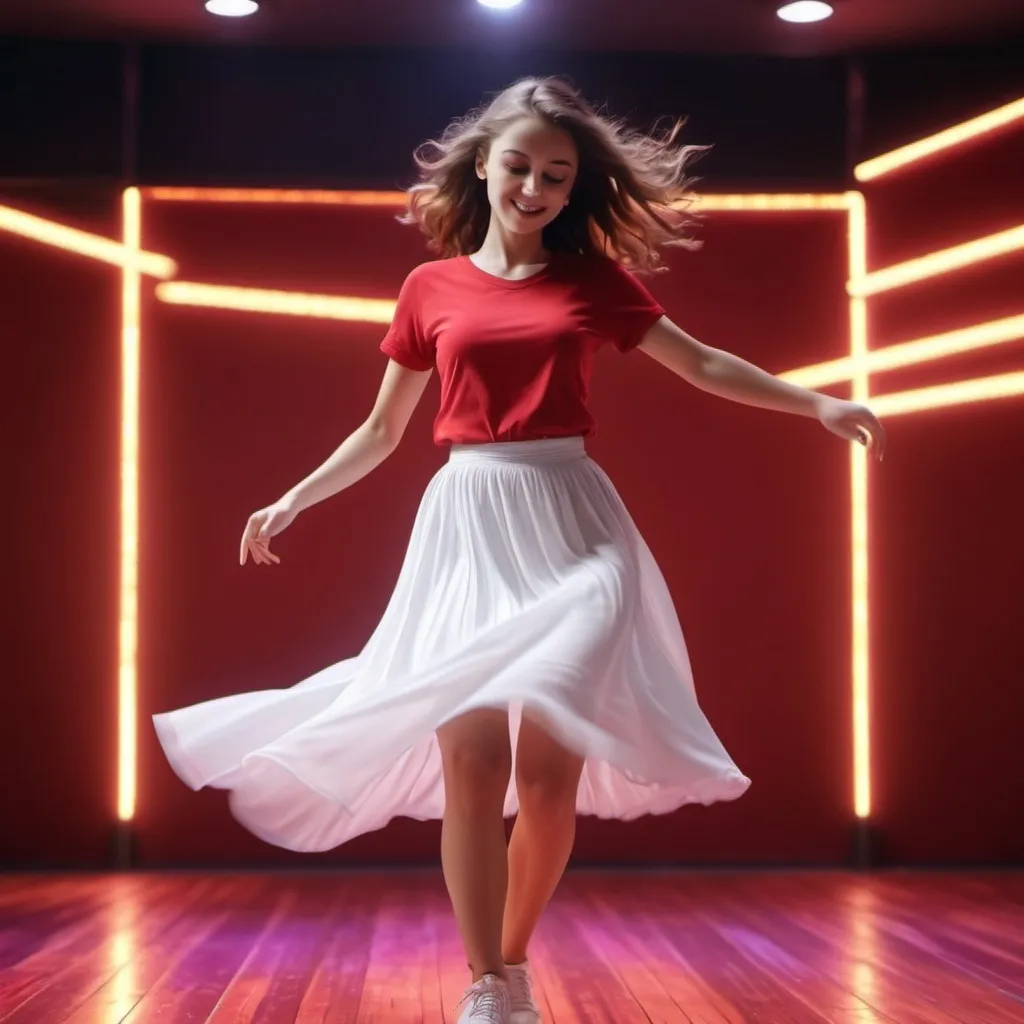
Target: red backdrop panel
(60, 338)
(947, 511)
(948, 550)
(746, 511)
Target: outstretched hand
(853, 422)
(263, 525)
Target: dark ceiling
(714, 26)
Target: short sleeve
(628, 309)
(406, 340)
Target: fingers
(878, 436)
(262, 542)
(247, 535)
(872, 435)
(881, 441)
(267, 555)
(261, 553)
(256, 543)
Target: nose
(531, 186)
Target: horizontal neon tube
(956, 135)
(84, 243)
(910, 353)
(981, 389)
(294, 196)
(936, 263)
(260, 300)
(780, 202)
(725, 202)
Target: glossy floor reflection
(693, 948)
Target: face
(530, 170)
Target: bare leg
(477, 760)
(547, 778)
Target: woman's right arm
(360, 453)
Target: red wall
(747, 512)
(59, 335)
(948, 539)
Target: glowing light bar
(981, 389)
(936, 263)
(276, 195)
(860, 676)
(752, 201)
(947, 139)
(910, 353)
(259, 300)
(128, 618)
(765, 202)
(84, 243)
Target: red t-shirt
(515, 357)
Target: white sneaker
(523, 1009)
(487, 1002)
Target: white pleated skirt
(526, 586)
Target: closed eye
(523, 170)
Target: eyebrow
(567, 163)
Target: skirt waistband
(549, 449)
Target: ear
(481, 165)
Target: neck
(505, 250)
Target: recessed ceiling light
(499, 3)
(804, 11)
(232, 8)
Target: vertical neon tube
(859, 498)
(128, 618)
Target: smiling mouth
(527, 209)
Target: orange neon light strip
(961, 392)
(84, 243)
(911, 353)
(128, 620)
(262, 300)
(767, 202)
(958, 134)
(754, 202)
(297, 196)
(943, 262)
(860, 680)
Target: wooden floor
(727, 948)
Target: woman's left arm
(726, 375)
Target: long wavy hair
(630, 197)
